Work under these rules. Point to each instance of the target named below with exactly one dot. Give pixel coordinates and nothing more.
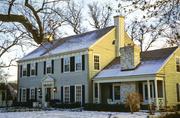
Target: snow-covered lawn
(71, 114)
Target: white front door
(145, 92)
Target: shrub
(54, 103)
(133, 102)
(66, 105)
(105, 107)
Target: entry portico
(48, 89)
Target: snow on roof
(145, 68)
(151, 62)
(67, 44)
(38, 51)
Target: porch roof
(151, 62)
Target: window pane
(49, 69)
(117, 92)
(32, 94)
(33, 72)
(24, 70)
(67, 94)
(66, 64)
(23, 95)
(78, 93)
(96, 62)
(78, 62)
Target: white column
(52, 92)
(98, 86)
(156, 94)
(149, 97)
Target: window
(78, 94)
(32, 94)
(67, 64)
(23, 95)
(96, 62)
(78, 62)
(48, 67)
(178, 64)
(117, 92)
(66, 94)
(33, 69)
(24, 70)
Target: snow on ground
(71, 114)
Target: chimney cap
(120, 16)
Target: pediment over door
(48, 81)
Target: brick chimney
(120, 33)
(130, 57)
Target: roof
(67, 44)
(151, 62)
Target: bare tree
(37, 18)
(164, 15)
(139, 31)
(100, 15)
(72, 15)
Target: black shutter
(72, 94)
(28, 69)
(62, 94)
(20, 95)
(110, 92)
(72, 64)
(27, 94)
(52, 64)
(20, 70)
(83, 62)
(36, 68)
(44, 67)
(62, 64)
(83, 94)
(177, 89)
(35, 94)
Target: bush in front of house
(28, 104)
(105, 107)
(56, 104)
(171, 115)
(133, 102)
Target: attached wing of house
(151, 63)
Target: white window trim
(50, 61)
(75, 92)
(95, 54)
(34, 70)
(23, 70)
(34, 93)
(64, 65)
(22, 94)
(64, 93)
(75, 63)
(113, 90)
